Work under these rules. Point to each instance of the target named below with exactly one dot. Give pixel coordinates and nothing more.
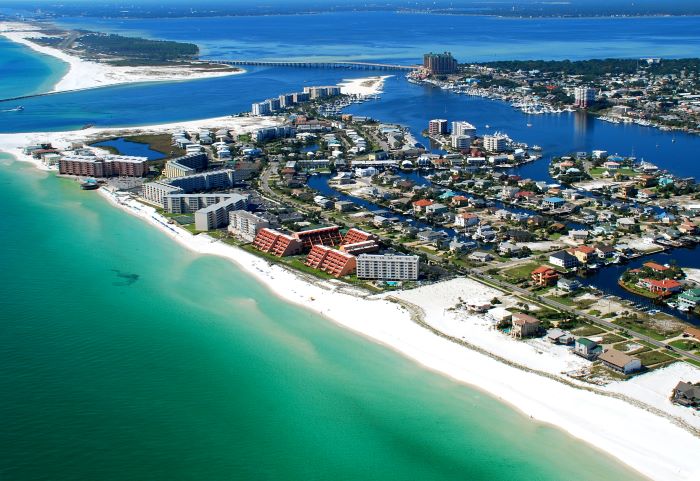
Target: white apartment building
(394, 267)
(461, 142)
(216, 215)
(245, 224)
(463, 128)
(187, 203)
(156, 191)
(495, 143)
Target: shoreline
(602, 422)
(85, 74)
(632, 435)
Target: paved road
(562, 307)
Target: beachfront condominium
(439, 63)
(103, 166)
(217, 215)
(584, 97)
(245, 225)
(390, 267)
(155, 192)
(186, 165)
(286, 100)
(213, 179)
(437, 127)
(187, 203)
(331, 261)
(495, 143)
(463, 128)
(276, 243)
(260, 108)
(322, 91)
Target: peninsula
(99, 60)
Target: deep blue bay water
(126, 147)
(404, 37)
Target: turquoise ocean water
(25, 72)
(126, 357)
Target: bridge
(324, 65)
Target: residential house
(689, 299)
(481, 257)
(510, 249)
(563, 259)
(587, 348)
(544, 276)
(578, 236)
(663, 287)
(604, 251)
(687, 394)
(557, 336)
(420, 205)
(466, 219)
(620, 362)
(553, 202)
(524, 325)
(568, 285)
(584, 254)
(435, 209)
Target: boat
(89, 184)
(19, 108)
(529, 125)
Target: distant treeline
(137, 48)
(599, 67)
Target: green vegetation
(137, 48)
(588, 330)
(611, 339)
(650, 358)
(598, 67)
(685, 344)
(521, 272)
(643, 327)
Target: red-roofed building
(544, 276)
(276, 243)
(525, 195)
(584, 254)
(655, 267)
(664, 287)
(353, 236)
(459, 201)
(420, 205)
(332, 261)
(327, 236)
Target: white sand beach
(363, 86)
(633, 421)
(85, 74)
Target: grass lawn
(686, 344)
(587, 330)
(567, 301)
(521, 272)
(641, 328)
(612, 339)
(650, 358)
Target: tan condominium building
(103, 166)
